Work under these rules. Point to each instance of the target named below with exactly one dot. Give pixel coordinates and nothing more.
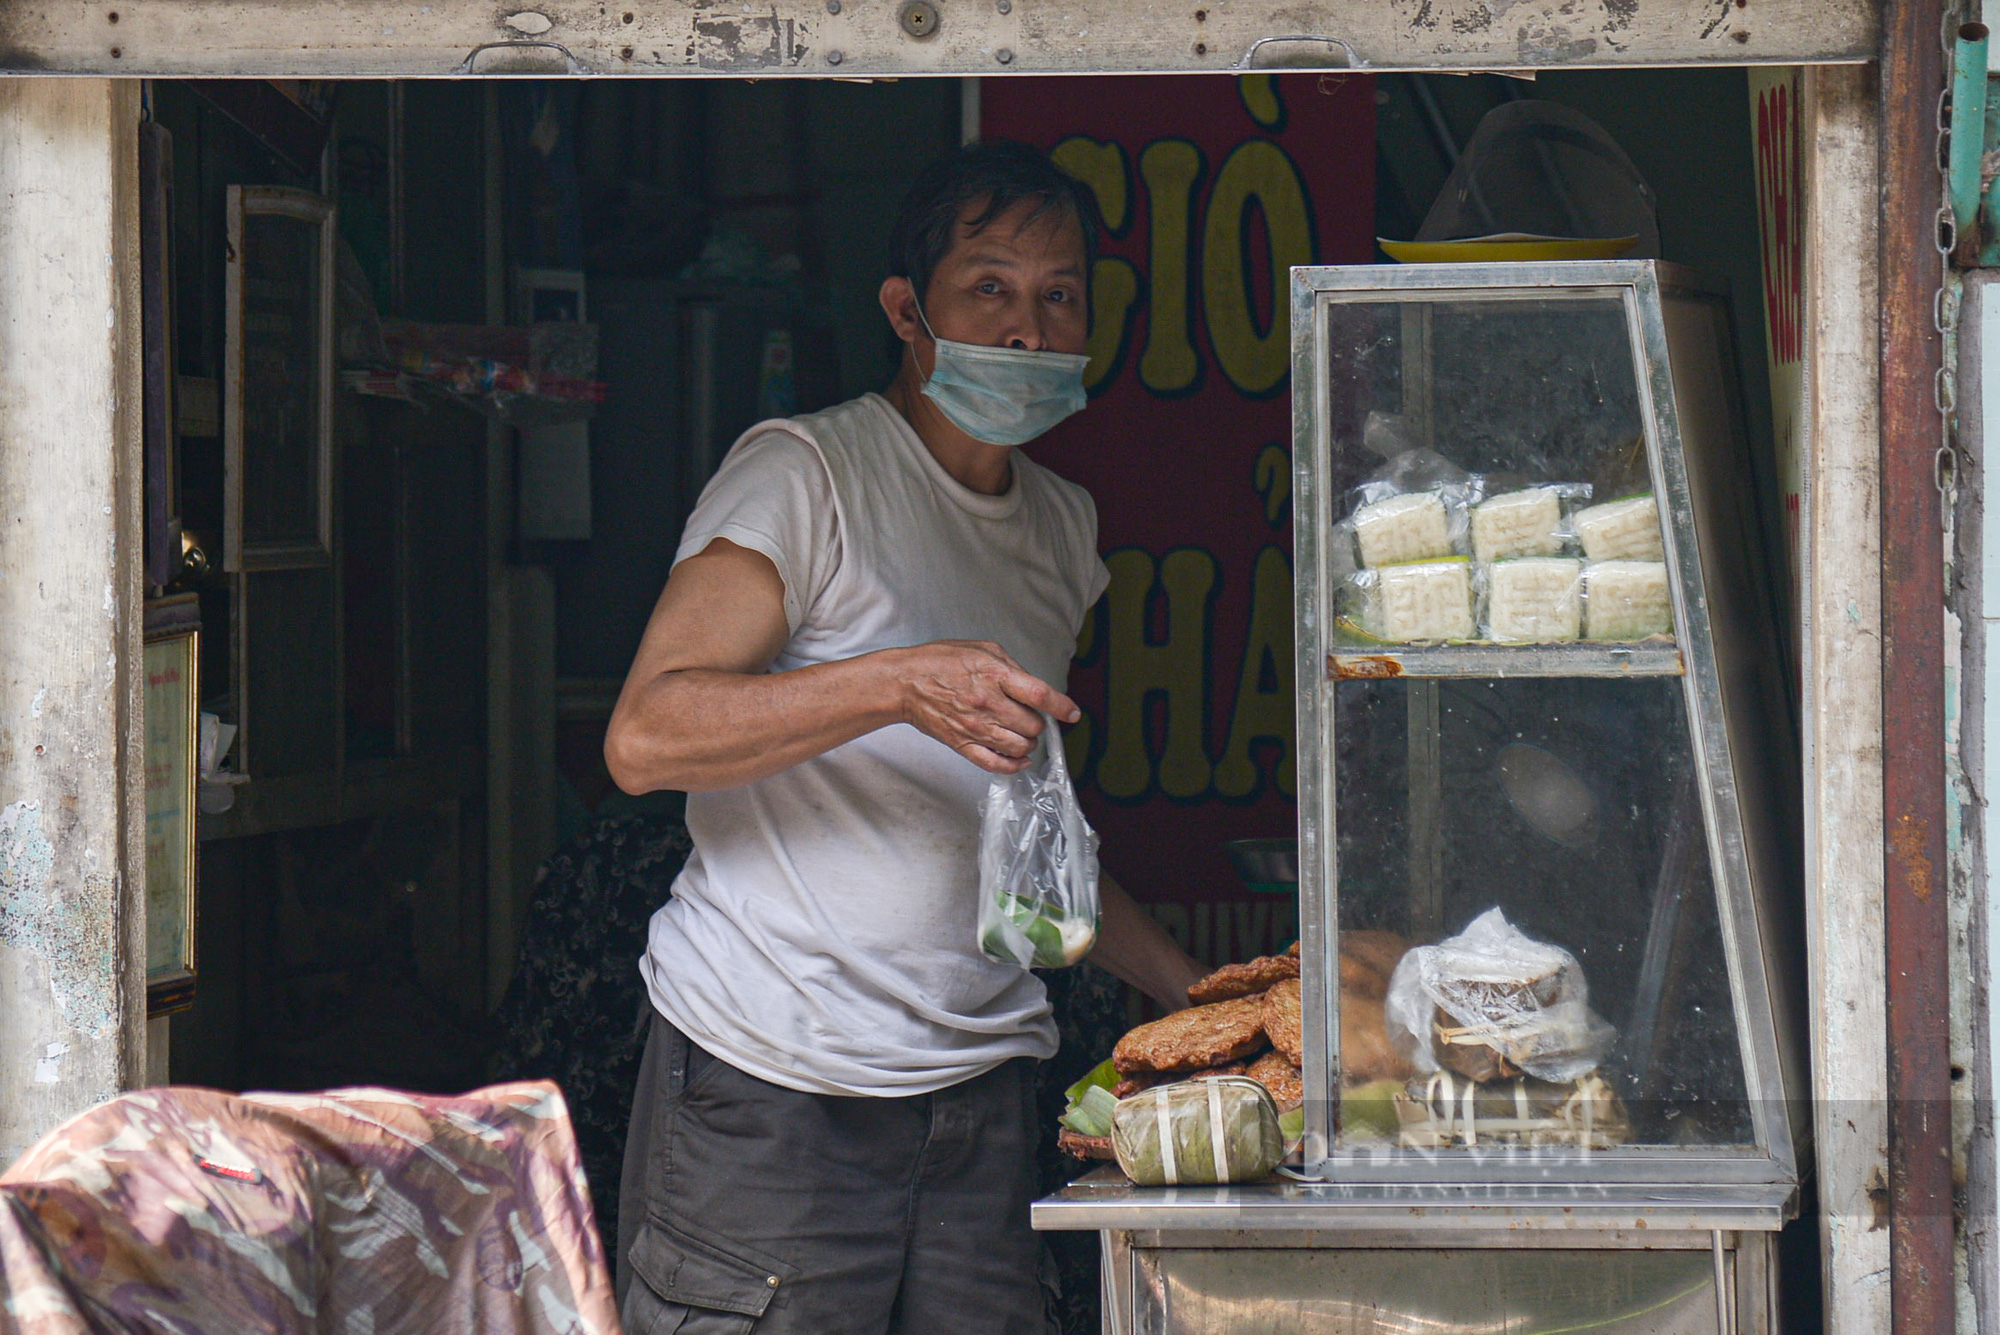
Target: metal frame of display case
(1644, 288)
(1143, 1274)
(1544, 1196)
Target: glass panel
(1545, 836)
(281, 348)
(1193, 1291)
(1488, 473)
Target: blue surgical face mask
(1003, 396)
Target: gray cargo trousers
(748, 1207)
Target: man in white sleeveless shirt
(870, 610)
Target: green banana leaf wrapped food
(1199, 1132)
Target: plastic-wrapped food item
(1518, 523)
(1626, 600)
(1491, 1003)
(1425, 600)
(1410, 527)
(1198, 1132)
(1038, 899)
(1444, 1111)
(1627, 530)
(1534, 599)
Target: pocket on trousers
(688, 1286)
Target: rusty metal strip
(872, 38)
(1916, 921)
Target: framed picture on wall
(277, 381)
(173, 726)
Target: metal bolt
(1005, 6)
(833, 57)
(833, 6)
(919, 18)
(772, 1280)
(1004, 55)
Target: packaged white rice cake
(1534, 600)
(1411, 527)
(1425, 600)
(1626, 600)
(1627, 530)
(1520, 523)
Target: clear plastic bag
(1416, 602)
(1038, 900)
(1413, 508)
(1491, 1003)
(1533, 521)
(1626, 600)
(1532, 600)
(1627, 529)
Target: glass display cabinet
(1548, 830)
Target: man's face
(1014, 283)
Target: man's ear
(899, 303)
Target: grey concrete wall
(72, 818)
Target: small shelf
(1358, 663)
(1104, 1199)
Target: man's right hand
(972, 696)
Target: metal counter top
(1104, 1199)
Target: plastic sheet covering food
(174, 1210)
(1198, 1132)
(1503, 998)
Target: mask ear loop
(925, 320)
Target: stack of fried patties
(1246, 1019)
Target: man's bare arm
(1135, 949)
(701, 710)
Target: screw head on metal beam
(919, 18)
(1005, 55)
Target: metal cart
(1622, 789)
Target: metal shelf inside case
(1376, 663)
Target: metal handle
(574, 65)
(1353, 61)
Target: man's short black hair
(997, 175)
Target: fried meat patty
(1365, 1051)
(1275, 1072)
(1283, 1019)
(1196, 1038)
(1243, 980)
(1138, 1083)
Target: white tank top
(823, 935)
